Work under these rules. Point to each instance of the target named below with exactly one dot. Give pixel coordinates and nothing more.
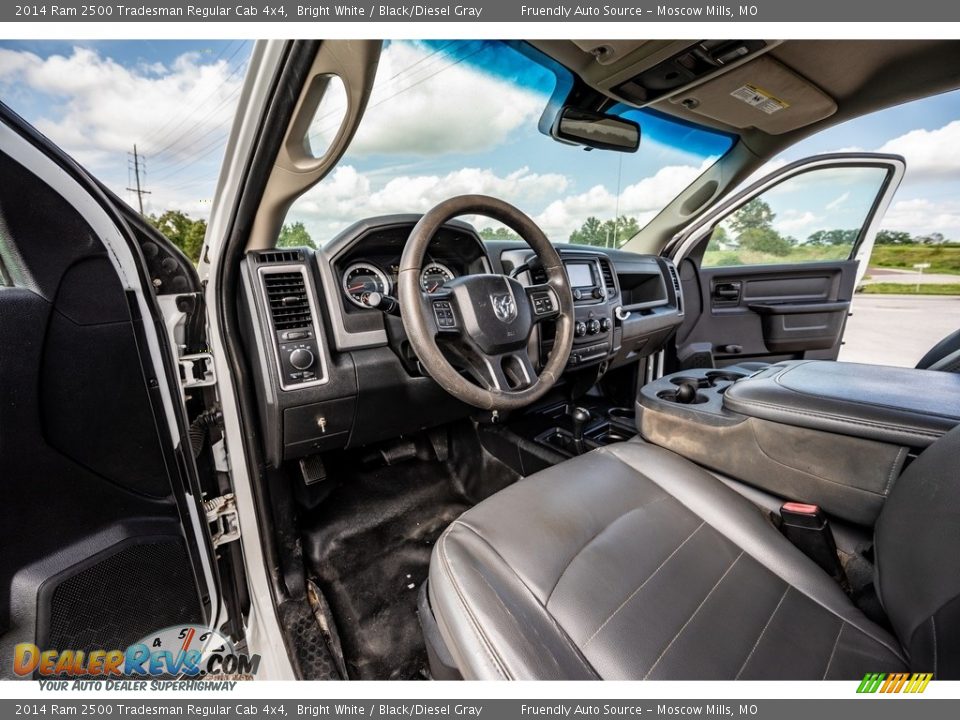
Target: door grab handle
(727, 291)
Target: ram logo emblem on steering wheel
(504, 307)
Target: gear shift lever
(580, 416)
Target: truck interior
(651, 414)
(480, 451)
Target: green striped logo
(894, 682)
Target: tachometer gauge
(434, 275)
(361, 279)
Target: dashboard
(333, 371)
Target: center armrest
(889, 404)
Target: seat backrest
(917, 548)
(945, 355)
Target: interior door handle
(726, 291)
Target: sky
(444, 118)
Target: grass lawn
(942, 258)
(906, 289)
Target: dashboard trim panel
(319, 336)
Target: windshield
(453, 117)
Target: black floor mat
(368, 546)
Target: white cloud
(929, 153)
(641, 200)
(347, 195)
(428, 103)
(102, 107)
(794, 221)
(96, 109)
(920, 216)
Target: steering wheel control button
(301, 359)
(443, 312)
(543, 303)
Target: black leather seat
(631, 562)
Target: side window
(815, 216)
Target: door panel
(768, 313)
(773, 270)
(95, 555)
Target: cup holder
(671, 396)
(723, 377)
(699, 382)
(623, 414)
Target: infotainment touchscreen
(581, 274)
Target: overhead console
(835, 434)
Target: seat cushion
(630, 562)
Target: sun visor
(762, 93)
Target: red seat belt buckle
(805, 525)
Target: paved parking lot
(897, 329)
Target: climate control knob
(580, 329)
(593, 327)
(604, 324)
(301, 359)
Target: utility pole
(136, 172)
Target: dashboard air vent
(608, 279)
(675, 278)
(280, 256)
(287, 300)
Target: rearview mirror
(596, 130)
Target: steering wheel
(485, 320)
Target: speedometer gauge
(361, 279)
(434, 275)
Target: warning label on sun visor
(760, 99)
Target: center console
(835, 434)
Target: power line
(136, 173)
(178, 169)
(206, 150)
(161, 134)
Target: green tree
(718, 238)
(182, 230)
(500, 233)
(616, 233)
(295, 235)
(755, 215)
(589, 233)
(894, 237)
(765, 240)
(608, 233)
(833, 237)
(931, 239)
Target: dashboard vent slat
(280, 256)
(608, 279)
(675, 278)
(287, 300)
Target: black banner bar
(639, 11)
